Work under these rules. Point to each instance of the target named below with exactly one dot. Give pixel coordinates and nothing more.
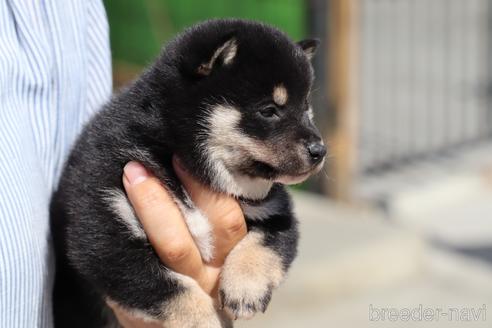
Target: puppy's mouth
(290, 179)
(293, 179)
(259, 169)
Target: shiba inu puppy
(231, 99)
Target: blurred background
(401, 219)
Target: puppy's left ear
(309, 47)
(224, 53)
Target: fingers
(162, 221)
(166, 228)
(223, 211)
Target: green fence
(139, 28)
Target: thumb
(223, 212)
(162, 221)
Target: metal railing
(424, 79)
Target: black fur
(162, 114)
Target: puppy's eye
(269, 112)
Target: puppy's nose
(317, 151)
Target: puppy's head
(246, 120)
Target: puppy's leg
(258, 264)
(191, 307)
(118, 263)
(250, 273)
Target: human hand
(170, 236)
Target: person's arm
(171, 239)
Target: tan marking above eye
(280, 95)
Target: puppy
(231, 99)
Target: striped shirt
(55, 72)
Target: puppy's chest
(198, 224)
(201, 228)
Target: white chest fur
(201, 230)
(198, 223)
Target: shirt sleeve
(55, 72)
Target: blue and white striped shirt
(55, 72)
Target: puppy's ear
(309, 47)
(224, 53)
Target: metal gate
(424, 79)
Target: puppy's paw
(249, 275)
(193, 308)
(244, 304)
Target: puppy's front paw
(243, 303)
(192, 308)
(249, 275)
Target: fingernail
(135, 172)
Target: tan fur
(289, 180)
(311, 114)
(226, 146)
(249, 273)
(310, 52)
(231, 52)
(228, 50)
(224, 121)
(191, 309)
(280, 95)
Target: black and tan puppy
(231, 99)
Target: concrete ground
(453, 211)
(358, 268)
